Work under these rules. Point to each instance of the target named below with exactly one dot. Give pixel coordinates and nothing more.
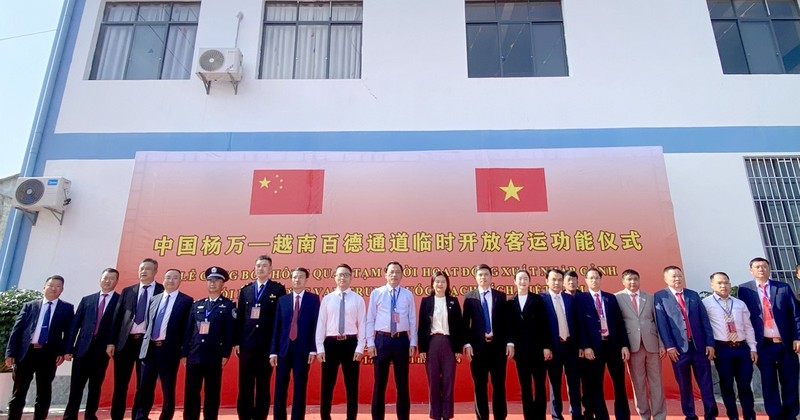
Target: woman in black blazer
(440, 340)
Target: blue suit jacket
(785, 309)
(306, 325)
(569, 311)
(82, 330)
(589, 323)
(672, 328)
(25, 325)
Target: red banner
(565, 208)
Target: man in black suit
(36, 346)
(207, 347)
(775, 315)
(255, 317)
(605, 343)
(488, 346)
(161, 348)
(293, 346)
(530, 332)
(127, 331)
(86, 346)
(565, 335)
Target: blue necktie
(43, 332)
(156, 333)
(141, 306)
(392, 324)
(487, 322)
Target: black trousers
(90, 368)
(391, 351)
(124, 361)
(296, 366)
(529, 372)
(198, 376)
(565, 362)
(41, 363)
(490, 361)
(255, 375)
(162, 365)
(611, 357)
(339, 353)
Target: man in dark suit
(775, 316)
(127, 331)
(565, 337)
(207, 347)
(488, 346)
(529, 330)
(255, 320)
(604, 340)
(86, 346)
(161, 347)
(685, 330)
(36, 346)
(293, 346)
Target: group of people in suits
(561, 333)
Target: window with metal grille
(757, 36)
(146, 41)
(311, 40)
(515, 38)
(775, 184)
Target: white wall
(89, 239)
(714, 215)
(633, 63)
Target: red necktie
(682, 304)
(598, 305)
(295, 314)
(769, 320)
(635, 304)
(100, 309)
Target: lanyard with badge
(395, 313)
(205, 325)
(255, 311)
(729, 323)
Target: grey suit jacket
(641, 327)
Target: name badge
(204, 327)
(255, 312)
(731, 326)
(396, 317)
(603, 326)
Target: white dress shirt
(379, 313)
(717, 308)
(439, 324)
(40, 321)
(355, 318)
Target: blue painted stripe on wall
(673, 140)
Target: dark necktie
(295, 314)
(487, 320)
(341, 316)
(141, 306)
(156, 333)
(43, 332)
(100, 309)
(392, 323)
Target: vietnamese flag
(287, 191)
(509, 190)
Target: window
(757, 36)
(516, 38)
(775, 185)
(145, 41)
(312, 40)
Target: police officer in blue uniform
(207, 346)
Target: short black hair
(55, 277)
(571, 273)
(480, 267)
(721, 273)
(266, 258)
(630, 272)
(671, 267)
(596, 270)
(302, 270)
(343, 265)
(151, 261)
(110, 270)
(759, 259)
(391, 263)
(557, 271)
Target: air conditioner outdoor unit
(224, 64)
(41, 193)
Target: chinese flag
(509, 190)
(287, 191)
